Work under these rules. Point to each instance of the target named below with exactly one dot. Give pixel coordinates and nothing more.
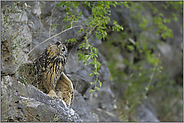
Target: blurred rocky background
(141, 69)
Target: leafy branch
(100, 17)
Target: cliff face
(24, 102)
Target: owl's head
(57, 52)
(62, 50)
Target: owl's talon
(55, 97)
(52, 94)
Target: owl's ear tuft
(58, 43)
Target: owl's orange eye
(63, 49)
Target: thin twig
(21, 17)
(46, 41)
(50, 26)
(51, 15)
(40, 24)
(7, 110)
(51, 38)
(51, 21)
(151, 78)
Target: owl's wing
(66, 79)
(65, 89)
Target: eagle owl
(48, 74)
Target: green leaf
(100, 83)
(91, 74)
(96, 87)
(92, 90)
(92, 83)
